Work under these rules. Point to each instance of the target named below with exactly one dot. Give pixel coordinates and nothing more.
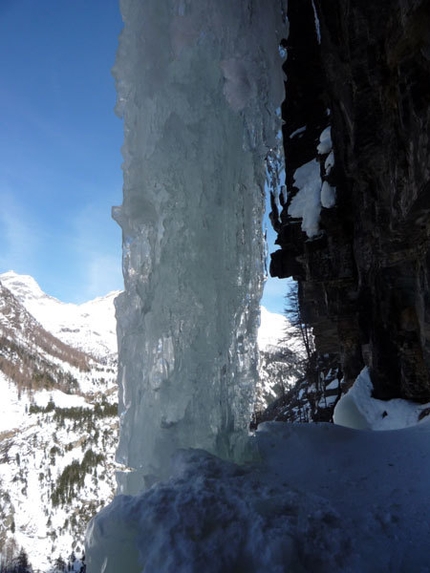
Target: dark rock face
(364, 280)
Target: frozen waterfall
(198, 84)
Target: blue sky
(60, 160)
(274, 289)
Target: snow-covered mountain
(272, 329)
(275, 331)
(90, 326)
(282, 358)
(58, 414)
(58, 421)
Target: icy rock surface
(198, 86)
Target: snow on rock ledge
(357, 409)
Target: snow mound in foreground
(324, 499)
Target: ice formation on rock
(198, 84)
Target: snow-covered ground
(12, 408)
(323, 499)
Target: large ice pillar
(198, 85)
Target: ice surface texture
(198, 86)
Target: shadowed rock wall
(364, 280)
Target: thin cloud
(102, 276)
(97, 249)
(20, 235)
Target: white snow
(60, 399)
(313, 193)
(276, 331)
(324, 499)
(35, 449)
(357, 409)
(12, 407)
(281, 358)
(325, 145)
(298, 131)
(306, 204)
(272, 328)
(328, 195)
(90, 326)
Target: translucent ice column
(198, 85)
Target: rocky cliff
(362, 71)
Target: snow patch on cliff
(357, 409)
(306, 205)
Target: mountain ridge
(89, 326)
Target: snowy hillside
(90, 326)
(56, 470)
(275, 331)
(58, 428)
(281, 361)
(272, 329)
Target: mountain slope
(282, 357)
(58, 429)
(32, 356)
(90, 326)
